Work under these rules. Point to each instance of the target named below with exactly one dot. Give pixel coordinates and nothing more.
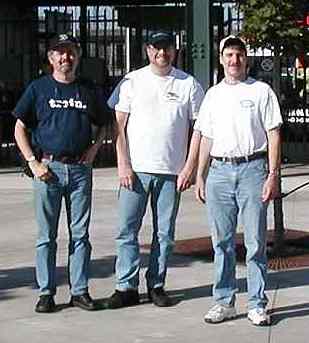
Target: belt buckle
(69, 159)
(234, 160)
(225, 159)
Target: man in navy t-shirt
(60, 110)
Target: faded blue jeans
(73, 183)
(132, 206)
(235, 191)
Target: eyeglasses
(156, 48)
(70, 50)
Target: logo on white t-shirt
(246, 103)
(171, 96)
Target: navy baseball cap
(160, 37)
(63, 39)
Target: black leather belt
(62, 158)
(241, 159)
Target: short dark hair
(234, 41)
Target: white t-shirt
(160, 110)
(237, 117)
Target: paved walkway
(189, 279)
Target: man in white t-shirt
(155, 108)
(239, 121)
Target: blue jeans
(233, 191)
(132, 207)
(73, 182)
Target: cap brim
(161, 41)
(63, 43)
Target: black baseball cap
(160, 37)
(63, 39)
(232, 41)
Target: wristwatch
(273, 172)
(31, 159)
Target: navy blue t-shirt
(60, 115)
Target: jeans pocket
(87, 165)
(214, 164)
(45, 161)
(259, 166)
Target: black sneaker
(159, 297)
(123, 299)
(46, 304)
(83, 301)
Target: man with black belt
(155, 108)
(60, 112)
(239, 121)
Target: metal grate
(295, 254)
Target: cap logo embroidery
(63, 37)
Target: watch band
(273, 172)
(31, 159)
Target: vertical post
(138, 56)
(200, 46)
(279, 231)
(278, 248)
(128, 49)
(83, 29)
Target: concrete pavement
(189, 279)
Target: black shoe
(159, 297)
(83, 301)
(123, 299)
(46, 304)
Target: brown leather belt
(62, 158)
(241, 159)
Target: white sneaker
(258, 316)
(220, 313)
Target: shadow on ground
(293, 311)
(104, 268)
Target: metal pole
(200, 45)
(279, 231)
(83, 29)
(128, 49)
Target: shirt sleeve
(204, 119)
(25, 107)
(121, 98)
(196, 98)
(271, 113)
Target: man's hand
(90, 154)
(126, 176)
(270, 188)
(184, 180)
(40, 171)
(200, 189)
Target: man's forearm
(193, 150)
(121, 140)
(274, 150)
(100, 135)
(122, 150)
(204, 156)
(22, 140)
